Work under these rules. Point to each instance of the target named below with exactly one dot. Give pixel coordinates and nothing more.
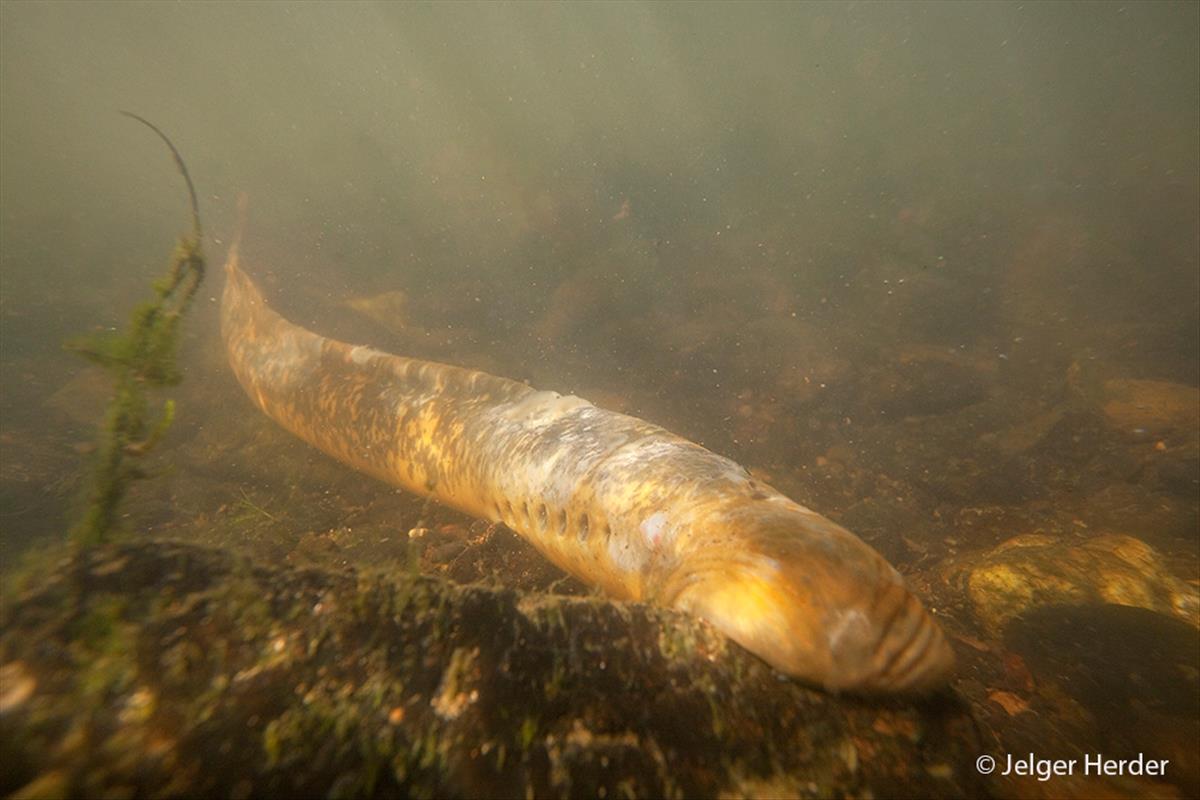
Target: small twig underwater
(142, 357)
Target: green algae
(139, 360)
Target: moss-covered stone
(1034, 570)
(145, 664)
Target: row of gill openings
(542, 518)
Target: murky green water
(932, 270)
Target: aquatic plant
(139, 359)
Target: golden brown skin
(615, 501)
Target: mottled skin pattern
(618, 502)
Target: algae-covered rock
(138, 669)
(1157, 407)
(1031, 571)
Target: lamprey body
(618, 502)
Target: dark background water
(395, 146)
(931, 268)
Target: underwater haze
(930, 269)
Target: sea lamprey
(618, 502)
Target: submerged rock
(390, 310)
(1156, 407)
(1031, 571)
(148, 663)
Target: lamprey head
(813, 601)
